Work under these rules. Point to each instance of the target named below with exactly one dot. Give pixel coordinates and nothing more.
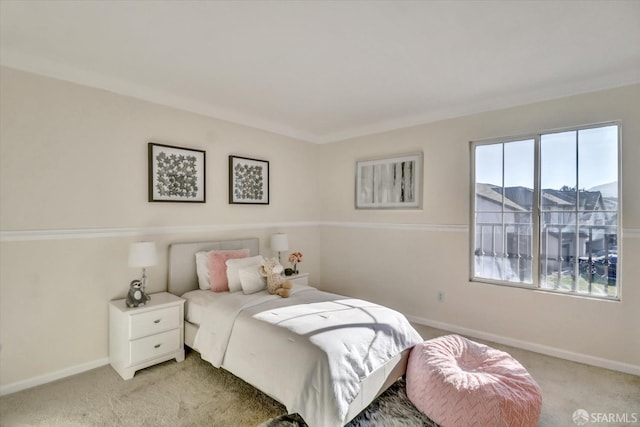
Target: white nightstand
(298, 279)
(144, 336)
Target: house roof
(494, 194)
(588, 200)
(521, 198)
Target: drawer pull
(157, 321)
(157, 346)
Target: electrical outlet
(440, 296)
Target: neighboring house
(492, 211)
(596, 218)
(559, 220)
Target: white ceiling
(323, 71)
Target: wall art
(393, 182)
(248, 181)
(176, 174)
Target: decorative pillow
(251, 280)
(218, 267)
(202, 270)
(234, 266)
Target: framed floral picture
(248, 181)
(392, 182)
(176, 174)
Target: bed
(288, 348)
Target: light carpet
(193, 393)
(190, 393)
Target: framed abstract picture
(248, 181)
(393, 182)
(176, 174)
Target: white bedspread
(309, 351)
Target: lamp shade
(279, 242)
(142, 254)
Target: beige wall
(77, 157)
(404, 258)
(74, 165)
(73, 170)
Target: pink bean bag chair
(458, 382)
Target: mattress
(197, 302)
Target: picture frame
(392, 182)
(248, 181)
(176, 174)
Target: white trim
(397, 226)
(631, 233)
(37, 65)
(57, 70)
(530, 346)
(94, 233)
(91, 233)
(53, 376)
(525, 345)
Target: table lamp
(279, 243)
(143, 255)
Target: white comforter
(309, 351)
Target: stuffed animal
(136, 297)
(276, 284)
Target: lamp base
(144, 284)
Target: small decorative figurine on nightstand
(136, 295)
(294, 259)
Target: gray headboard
(182, 260)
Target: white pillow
(251, 280)
(202, 270)
(235, 265)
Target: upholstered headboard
(182, 260)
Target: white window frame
(537, 212)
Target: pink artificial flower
(295, 257)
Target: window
(545, 211)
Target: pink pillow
(218, 267)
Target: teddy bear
(276, 284)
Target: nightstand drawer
(153, 346)
(153, 322)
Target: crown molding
(488, 104)
(57, 70)
(54, 69)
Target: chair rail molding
(111, 232)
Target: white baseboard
(526, 345)
(53, 376)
